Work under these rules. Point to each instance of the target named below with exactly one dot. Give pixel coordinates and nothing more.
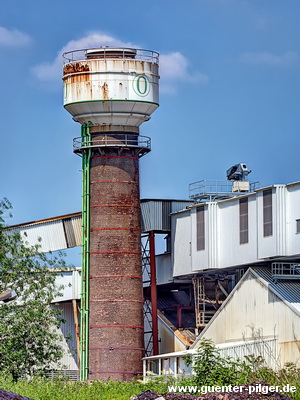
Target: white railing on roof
(174, 364)
(210, 189)
(122, 53)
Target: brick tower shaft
(111, 92)
(116, 299)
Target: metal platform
(110, 53)
(281, 270)
(212, 190)
(142, 143)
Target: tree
(29, 340)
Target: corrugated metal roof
(40, 221)
(287, 290)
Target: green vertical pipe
(84, 326)
(88, 229)
(83, 267)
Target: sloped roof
(184, 335)
(287, 290)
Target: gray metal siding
(67, 330)
(156, 213)
(52, 235)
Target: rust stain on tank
(80, 78)
(75, 67)
(104, 89)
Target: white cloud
(174, 67)
(50, 71)
(288, 59)
(13, 38)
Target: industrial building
(241, 252)
(234, 289)
(230, 267)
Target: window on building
(267, 213)
(244, 220)
(200, 228)
(297, 225)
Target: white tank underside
(110, 112)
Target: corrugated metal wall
(156, 213)
(67, 329)
(52, 235)
(63, 232)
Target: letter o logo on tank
(141, 85)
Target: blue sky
(230, 84)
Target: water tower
(111, 92)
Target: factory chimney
(111, 92)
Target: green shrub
(211, 369)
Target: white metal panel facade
(223, 248)
(181, 237)
(164, 270)
(266, 246)
(293, 214)
(200, 259)
(70, 282)
(213, 235)
(231, 252)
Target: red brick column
(116, 300)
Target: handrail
(140, 55)
(216, 189)
(119, 140)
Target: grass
(208, 366)
(60, 389)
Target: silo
(111, 92)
